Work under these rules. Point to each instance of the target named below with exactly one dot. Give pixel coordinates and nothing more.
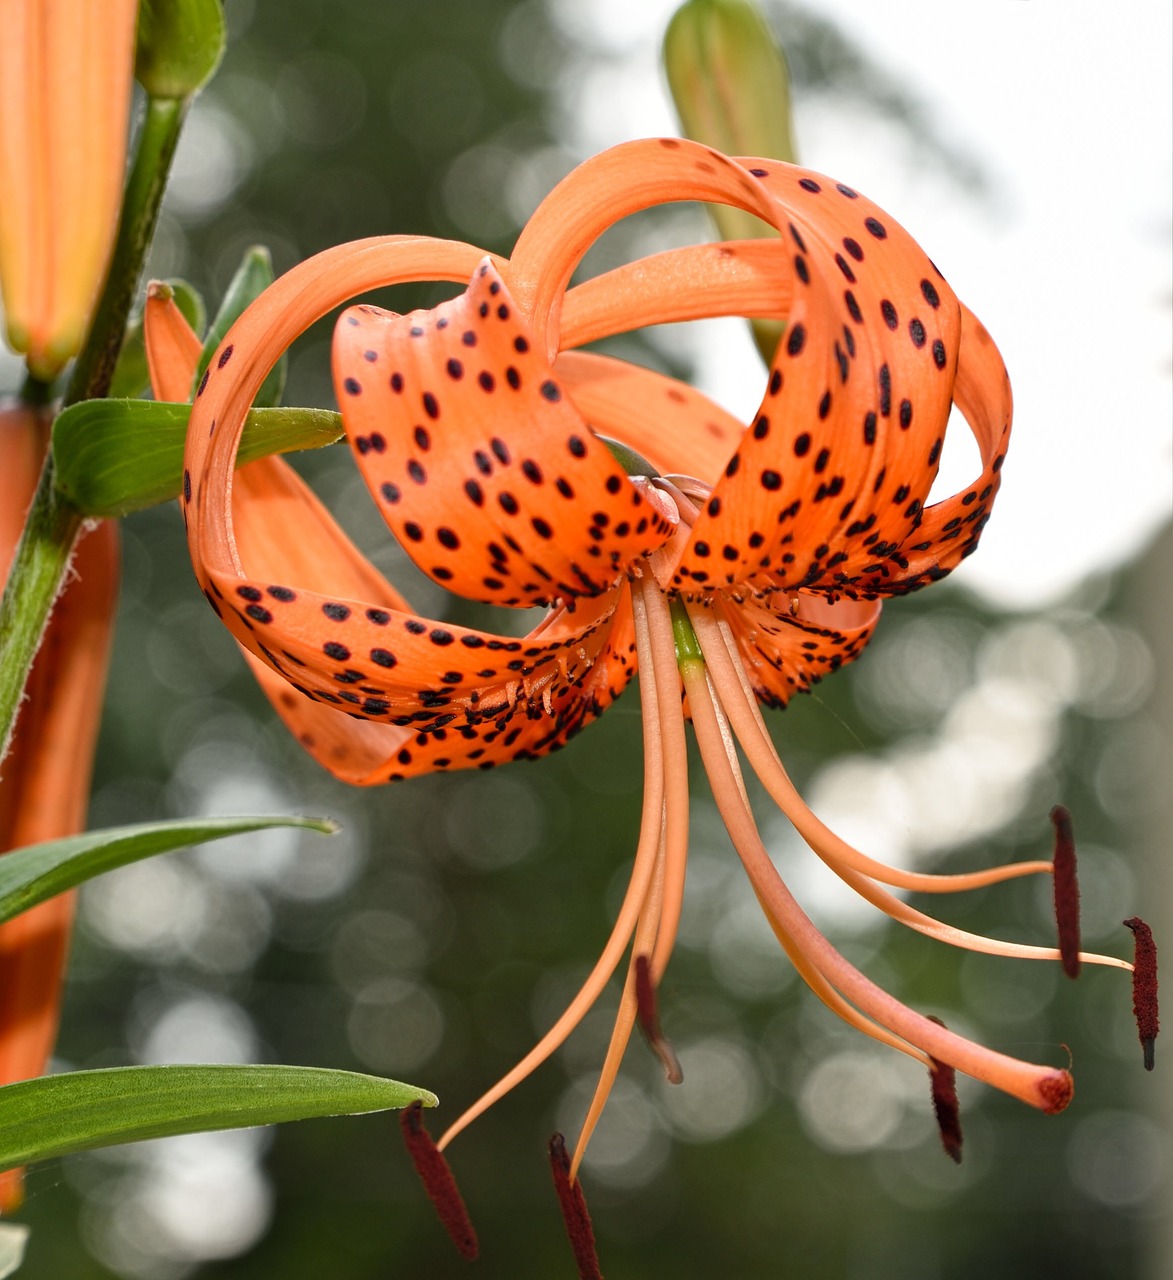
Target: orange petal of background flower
(65, 86)
(45, 779)
(477, 459)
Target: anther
(438, 1181)
(649, 1021)
(574, 1211)
(943, 1080)
(1144, 988)
(1066, 888)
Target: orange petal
(830, 480)
(65, 89)
(601, 191)
(479, 462)
(254, 345)
(737, 278)
(784, 653)
(679, 430)
(172, 345)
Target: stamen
(438, 1181)
(574, 1211)
(649, 1021)
(1144, 988)
(1066, 891)
(943, 1079)
(1044, 1087)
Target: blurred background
(441, 931)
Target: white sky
(1068, 108)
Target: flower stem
(38, 569)
(157, 140)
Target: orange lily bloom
(66, 72)
(737, 567)
(45, 779)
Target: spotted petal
(831, 478)
(480, 463)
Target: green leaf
(40, 871)
(117, 456)
(252, 278)
(180, 43)
(131, 377)
(81, 1110)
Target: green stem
(38, 568)
(158, 137)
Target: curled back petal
(950, 529)
(832, 476)
(736, 278)
(787, 651)
(609, 186)
(479, 462)
(255, 343)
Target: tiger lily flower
(734, 564)
(66, 72)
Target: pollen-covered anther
(1144, 988)
(1066, 888)
(574, 1211)
(438, 1181)
(943, 1081)
(649, 1021)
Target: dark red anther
(574, 1211)
(438, 1181)
(1066, 891)
(1144, 988)
(943, 1079)
(649, 1020)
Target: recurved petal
(790, 642)
(831, 477)
(949, 529)
(479, 461)
(676, 428)
(377, 693)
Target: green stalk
(158, 137)
(51, 528)
(34, 581)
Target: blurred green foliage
(436, 937)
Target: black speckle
(877, 228)
(336, 612)
(352, 387)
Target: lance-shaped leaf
(118, 456)
(81, 1110)
(40, 871)
(252, 278)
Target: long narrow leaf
(40, 871)
(81, 1110)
